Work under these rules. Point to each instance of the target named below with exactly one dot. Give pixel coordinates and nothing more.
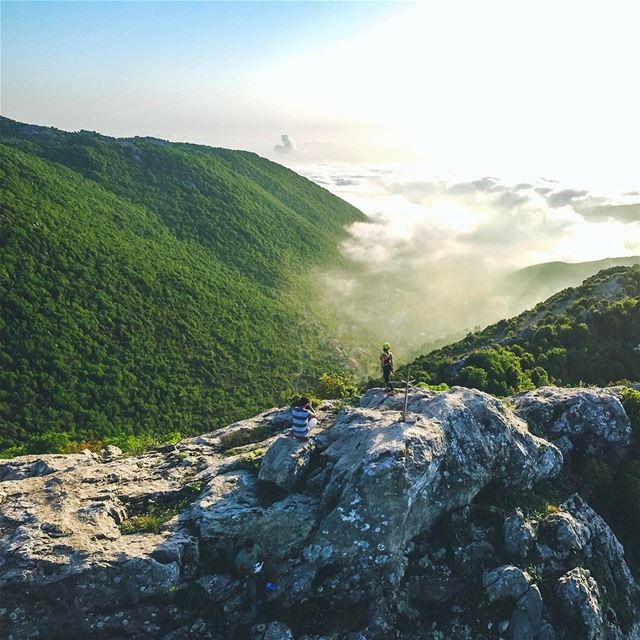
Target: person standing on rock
(304, 418)
(251, 563)
(387, 367)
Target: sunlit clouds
(477, 137)
(435, 252)
(507, 89)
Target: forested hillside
(540, 281)
(151, 287)
(584, 335)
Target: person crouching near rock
(251, 563)
(304, 418)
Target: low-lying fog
(432, 261)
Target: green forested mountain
(148, 286)
(589, 334)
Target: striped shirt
(300, 422)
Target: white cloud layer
(430, 260)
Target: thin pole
(406, 395)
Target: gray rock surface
(578, 595)
(576, 530)
(230, 510)
(34, 466)
(372, 528)
(271, 631)
(391, 481)
(286, 462)
(518, 535)
(110, 452)
(505, 582)
(526, 619)
(588, 420)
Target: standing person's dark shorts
(386, 374)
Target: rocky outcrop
(378, 528)
(36, 465)
(578, 595)
(577, 532)
(389, 481)
(583, 420)
(509, 583)
(286, 462)
(518, 535)
(505, 583)
(271, 631)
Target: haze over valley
(436, 258)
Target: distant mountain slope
(588, 334)
(539, 281)
(153, 287)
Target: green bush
(443, 386)
(157, 514)
(135, 445)
(337, 385)
(49, 442)
(474, 377)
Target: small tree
(337, 385)
(474, 377)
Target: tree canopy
(148, 287)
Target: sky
(512, 89)
(477, 137)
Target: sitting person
(304, 418)
(251, 563)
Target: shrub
(156, 515)
(337, 385)
(443, 386)
(49, 442)
(539, 377)
(136, 445)
(150, 522)
(474, 377)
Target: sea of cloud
(428, 264)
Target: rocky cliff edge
(379, 528)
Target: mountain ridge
(156, 296)
(585, 334)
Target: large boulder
(585, 420)
(232, 509)
(579, 599)
(518, 535)
(526, 619)
(392, 480)
(576, 530)
(511, 584)
(286, 461)
(505, 583)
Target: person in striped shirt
(304, 418)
